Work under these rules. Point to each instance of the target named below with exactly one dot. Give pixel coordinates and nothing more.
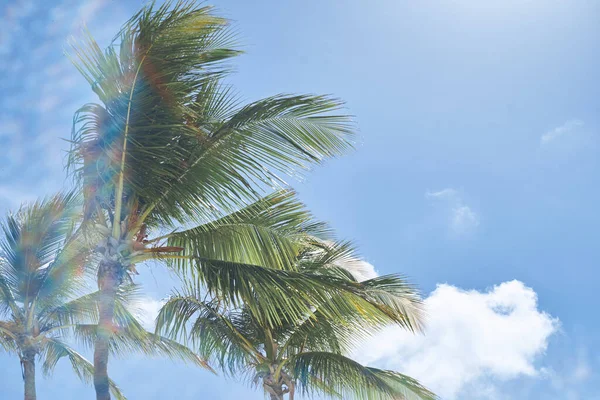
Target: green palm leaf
(54, 350)
(215, 335)
(281, 135)
(129, 336)
(269, 232)
(351, 379)
(282, 323)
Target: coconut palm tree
(170, 146)
(306, 354)
(38, 280)
(42, 277)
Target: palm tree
(170, 147)
(37, 282)
(307, 353)
(42, 271)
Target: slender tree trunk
(276, 397)
(28, 362)
(108, 281)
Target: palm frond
(135, 340)
(129, 336)
(395, 297)
(84, 309)
(353, 380)
(53, 350)
(382, 299)
(269, 232)
(325, 256)
(351, 315)
(274, 296)
(216, 335)
(278, 136)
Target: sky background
(476, 174)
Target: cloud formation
(473, 339)
(462, 219)
(565, 129)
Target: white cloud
(462, 219)
(472, 340)
(148, 311)
(565, 129)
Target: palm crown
(169, 141)
(41, 270)
(169, 146)
(308, 352)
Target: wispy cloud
(565, 129)
(462, 219)
(11, 198)
(569, 379)
(447, 193)
(474, 339)
(12, 23)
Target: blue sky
(476, 174)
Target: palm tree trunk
(275, 391)
(108, 281)
(28, 362)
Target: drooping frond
(53, 350)
(350, 316)
(348, 378)
(216, 335)
(382, 299)
(337, 258)
(135, 340)
(84, 309)
(128, 335)
(320, 332)
(268, 233)
(395, 297)
(264, 316)
(274, 296)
